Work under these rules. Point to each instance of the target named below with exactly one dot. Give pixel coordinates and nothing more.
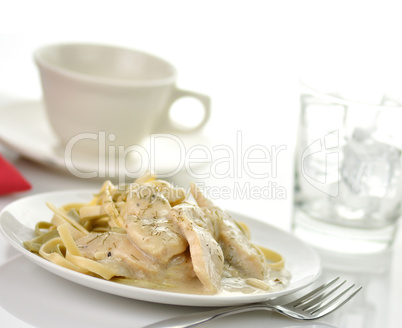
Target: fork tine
(316, 301)
(335, 303)
(326, 300)
(313, 294)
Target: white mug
(123, 93)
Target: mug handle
(167, 124)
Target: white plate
(24, 128)
(18, 218)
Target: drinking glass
(348, 177)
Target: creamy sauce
(138, 269)
(274, 281)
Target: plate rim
(145, 294)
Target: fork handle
(194, 319)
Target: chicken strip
(119, 252)
(174, 195)
(237, 249)
(206, 254)
(146, 216)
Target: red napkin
(10, 179)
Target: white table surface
(378, 305)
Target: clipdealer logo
(319, 164)
(222, 161)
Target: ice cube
(370, 167)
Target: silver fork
(321, 301)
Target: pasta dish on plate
(152, 234)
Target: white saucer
(24, 128)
